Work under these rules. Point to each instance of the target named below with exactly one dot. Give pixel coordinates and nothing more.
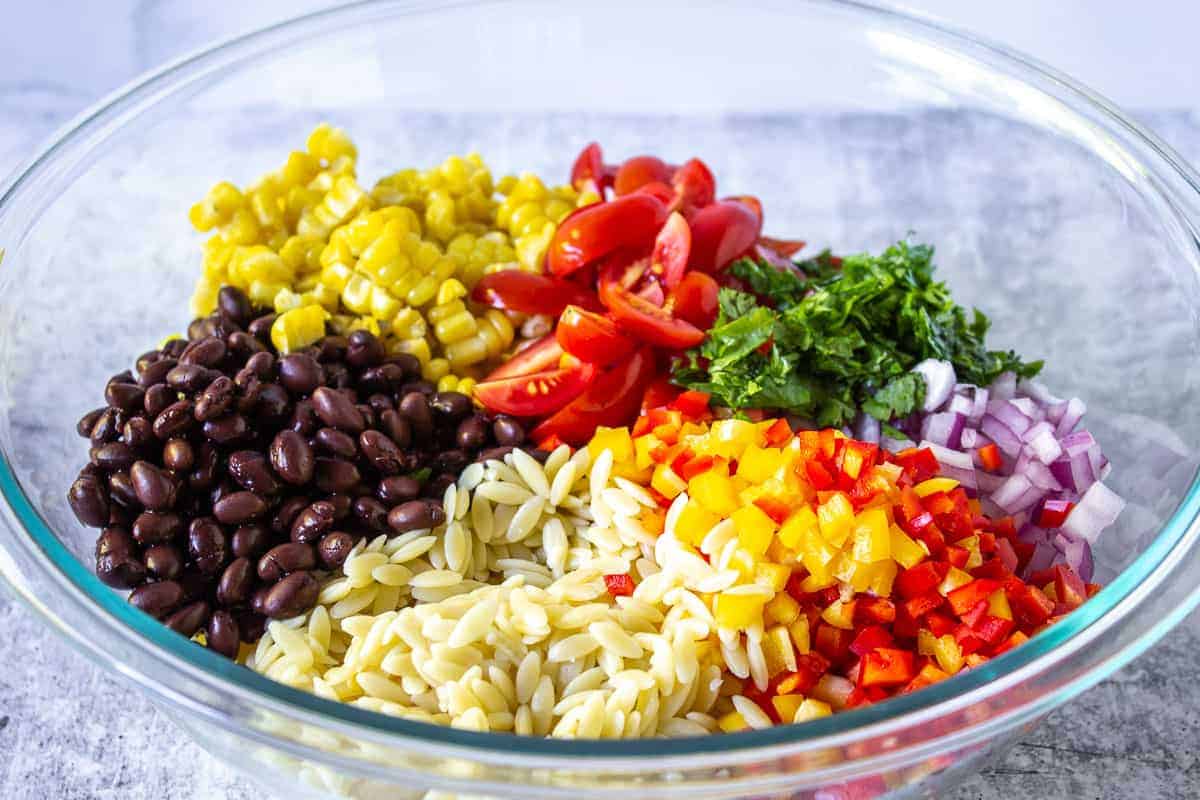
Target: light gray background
(67, 731)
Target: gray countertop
(67, 730)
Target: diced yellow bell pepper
(998, 605)
(926, 642)
(883, 576)
(935, 485)
(694, 522)
(836, 517)
(815, 582)
(840, 614)
(714, 491)
(782, 608)
(754, 529)
(948, 653)
(811, 709)
(906, 551)
(798, 526)
(778, 651)
(744, 563)
(738, 611)
(817, 555)
(757, 464)
(298, 328)
(786, 705)
(954, 579)
(615, 439)
(733, 722)
(642, 447)
(872, 541)
(773, 576)
(731, 437)
(666, 482)
(799, 632)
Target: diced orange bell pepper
(819, 476)
(1069, 588)
(886, 667)
(778, 434)
(964, 598)
(870, 638)
(833, 642)
(928, 676)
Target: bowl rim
(213, 672)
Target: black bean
(272, 403)
(196, 585)
(163, 561)
(89, 500)
(258, 597)
(260, 327)
(472, 433)
(384, 379)
(156, 373)
(120, 490)
(125, 396)
(364, 349)
(200, 328)
(119, 515)
(222, 634)
(414, 407)
(239, 507)
(205, 472)
(207, 545)
(252, 471)
(234, 304)
(331, 348)
(158, 398)
(397, 489)
(249, 540)
(174, 348)
(450, 461)
(88, 421)
(292, 458)
(436, 486)
(381, 452)
(251, 626)
(304, 418)
(154, 487)
(341, 505)
(228, 429)
(147, 358)
(336, 410)
(420, 386)
(188, 619)
(337, 376)
(107, 426)
(243, 345)
(190, 377)
(493, 453)
(233, 589)
(154, 527)
(299, 373)
(416, 514)
(407, 362)
(380, 402)
(286, 558)
(178, 455)
(117, 564)
(368, 415)
(508, 431)
(287, 512)
(371, 513)
(313, 522)
(261, 365)
(396, 427)
(451, 405)
(114, 456)
(173, 420)
(215, 400)
(293, 595)
(334, 549)
(335, 475)
(207, 352)
(157, 599)
(335, 442)
(138, 433)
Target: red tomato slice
(785, 247)
(658, 189)
(751, 202)
(518, 290)
(537, 394)
(659, 393)
(542, 355)
(720, 233)
(592, 337)
(595, 231)
(695, 186)
(669, 259)
(638, 171)
(646, 321)
(589, 166)
(652, 292)
(611, 400)
(695, 299)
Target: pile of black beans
(224, 475)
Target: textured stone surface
(69, 731)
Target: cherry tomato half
(658, 189)
(638, 171)
(518, 290)
(669, 259)
(784, 247)
(538, 394)
(595, 231)
(720, 233)
(592, 337)
(612, 400)
(646, 321)
(542, 355)
(695, 186)
(751, 202)
(588, 166)
(659, 393)
(695, 299)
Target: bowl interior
(854, 133)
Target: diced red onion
(939, 382)
(961, 404)
(1027, 407)
(1077, 554)
(949, 458)
(867, 428)
(1036, 390)
(987, 483)
(1005, 386)
(896, 445)
(1008, 442)
(1040, 476)
(1097, 509)
(1071, 414)
(1016, 494)
(1044, 555)
(944, 428)
(968, 439)
(1011, 414)
(1041, 442)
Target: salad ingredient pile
(598, 460)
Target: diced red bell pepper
(695, 466)
(886, 667)
(619, 585)
(989, 456)
(1092, 589)
(870, 638)
(1030, 606)
(993, 629)
(809, 669)
(968, 641)
(975, 614)
(819, 476)
(1015, 640)
(920, 464)
(779, 434)
(920, 579)
(1006, 554)
(874, 610)
(1004, 526)
(939, 624)
(906, 626)
(833, 643)
(641, 426)
(992, 568)
(865, 696)
(921, 605)
(855, 457)
(776, 508)
(1069, 588)
(987, 543)
(1054, 513)
(964, 598)
(692, 404)
(550, 443)
(957, 556)
(927, 676)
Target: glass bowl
(1072, 227)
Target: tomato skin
(588, 166)
(784, 247)
(592, 337)
(659, 393)
(695, 299)
(638, 171)
(672, 246)
(720, 233)
(695, 186)
(542, 355)
(518, 290)
(646, 321)
(612, 400)
(658, 189)
(749, 201)
(537, 394)
(594, 231)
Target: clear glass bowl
(1071, 226)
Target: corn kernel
(435, 369)
(298, 328)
